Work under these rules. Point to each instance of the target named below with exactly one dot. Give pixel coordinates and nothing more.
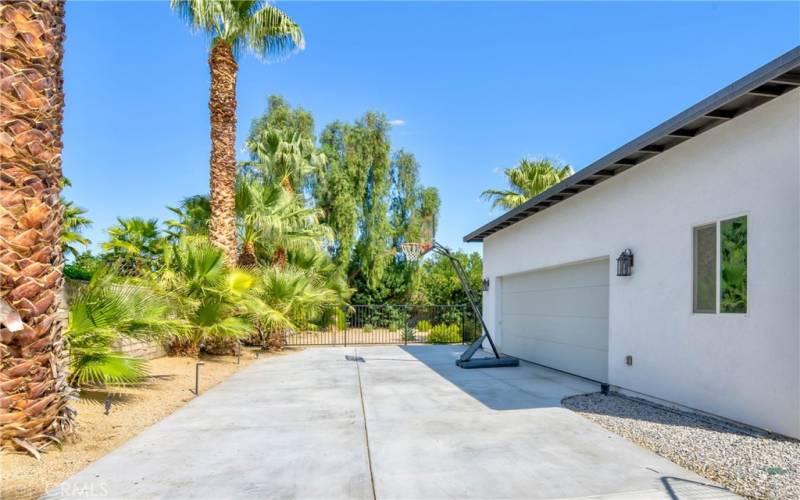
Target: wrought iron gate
(386, 324)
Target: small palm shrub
(445, 334)
(212, 300)
(100, 314)
(424, 326)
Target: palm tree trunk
(222, 104)
(33, 384)
(248, 256)
(286, 184)
(281, 258)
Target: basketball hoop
(413, 251)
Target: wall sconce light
(625, 263)
(485, 284)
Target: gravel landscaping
(747, 461)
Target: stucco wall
(743, 367)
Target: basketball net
(413, 251)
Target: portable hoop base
(466, 360)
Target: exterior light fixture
(625, 263)
(485, 284)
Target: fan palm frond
(528, 179)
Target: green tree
(352, 190)
(529, 178)
(335, 192)
(440, 284)
(373, 203)
(83, 266)
(234, 26)
(282, 117)
(135, 245)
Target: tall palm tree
(234, 25)
(529, 178)
(33, 381)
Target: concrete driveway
(404, 423)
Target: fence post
(463, 329)
(406, 323)
(347, 327)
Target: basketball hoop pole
(465, 360)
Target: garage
(558, 317)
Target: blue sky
(477, 86)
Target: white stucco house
(709, 205)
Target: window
(720, 267)
(705, 269)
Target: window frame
(717, 223)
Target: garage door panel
(578, 301)
(558, 317)
(584, 274)
(590, 363)
(584, 332)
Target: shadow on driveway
(526, 386)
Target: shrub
(340, 320)
(408, 334)
(445, 334)
(424, 326)
(394, 326)
(368, 328)
(82, 267)
(335, 320)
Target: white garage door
(559, 318)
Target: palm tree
(526, 180)
(308, 289)
(210, 297)
(193, 216)
(74, 222)
(32, 360)
(134, 245)
(103, 312)
(234, 25)
(273, 221)
(284, 157)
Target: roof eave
(612, 163)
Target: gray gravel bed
(747, 461)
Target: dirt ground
(170, 386)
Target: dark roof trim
(762, 85)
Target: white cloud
(398, 122)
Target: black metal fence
(386, 324)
